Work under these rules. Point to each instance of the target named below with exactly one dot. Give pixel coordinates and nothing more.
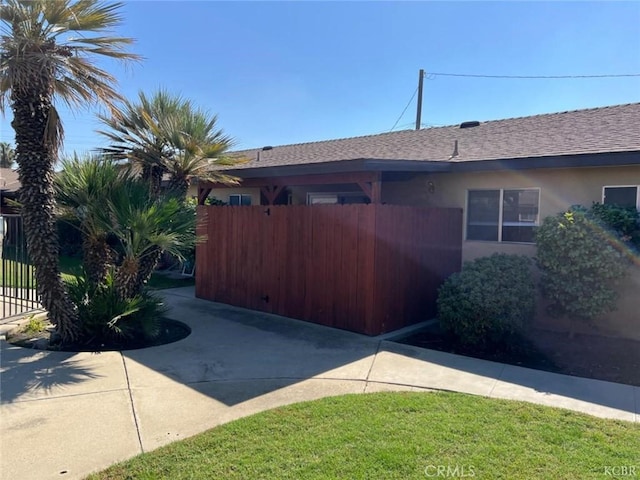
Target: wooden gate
(365, 268)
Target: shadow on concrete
(234, 355)
(235, 344)
(445, 371)
(28, 374)
(230, 344)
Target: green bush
(69, 236)
(582, 260)
(105, 316)
(489, 302)
(624, 221)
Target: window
(624, 196)
(336, 198)
(503, 215)
(240, 199)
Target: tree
(167, 134)
(582, 262)
(143, 226)
(82, 189)
(110, 202)
(48, 51)
(7, 155)
(198, 149)
(136, 135)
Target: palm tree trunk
(178, 187)
(36, 155)
(97, 258)
(153, 174)
(148, 263)
(127, 277)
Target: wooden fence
(365, 268)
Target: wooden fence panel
(364, 268)
(416, 250)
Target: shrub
(106, 317)
(581, 261)
(624, 221)
(69, 236)
(489, 302)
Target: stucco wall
(559, 189)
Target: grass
(397, 436)
(16, 274)
(69, 266)
(36, 324)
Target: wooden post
(419, 111)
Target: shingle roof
(596, 130)
(9, 180)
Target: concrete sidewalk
(64, 415)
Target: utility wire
(531, 76)
(405, 108)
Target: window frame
(637, 187)
(332, 196)
(240, 196)
(500, 225)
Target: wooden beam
(376, 192)
(372, 189)
(366, 188)
(271, 192)
(298, 180)
(203, 193)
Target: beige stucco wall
(559, 189)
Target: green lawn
(397, 436)
(71, 265)
(16, 274)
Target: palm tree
(7, 155)
(135, 135)
(198, 149)
(143, 226)
(167, 134)
(48, 51)
(82, 188)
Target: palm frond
(32, 44)
(169, 132)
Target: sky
(278, 73)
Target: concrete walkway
(64, 415)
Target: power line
(537, 77)
(405, 108)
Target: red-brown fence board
(364, 268)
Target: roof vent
(455, 150)
(268, 147)
(471, 124)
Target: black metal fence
(16, 273)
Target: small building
(502, 176)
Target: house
(9, 185)
(505, 176)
